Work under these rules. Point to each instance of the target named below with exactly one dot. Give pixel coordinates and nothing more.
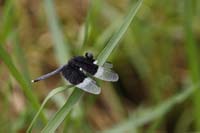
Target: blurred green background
(157, 61)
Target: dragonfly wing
(106, 74)
(89, 85)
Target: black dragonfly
(79, 69)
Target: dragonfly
(80, 70)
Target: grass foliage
(156, 56)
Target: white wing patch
(90, 86)
(106, 74)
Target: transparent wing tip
(106, 74)
(115, 77)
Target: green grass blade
(104, 37)
(7, 21)
(118, 34)
(191, 49)
(20, 79)
(21, 59)
(143, 116)
(62, 50)
(93, 13)
(49, 96)
(86, 26)
(77, 93)
(56, 120)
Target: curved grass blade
(57, 119)
(143, 116)
(21, 80)
(49, 96)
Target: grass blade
(49, 96)
(61, 49)
(191, 49)
(57, 119)
(7, 21)
(20, 79)
(92, 14)
(119, 33)
(21, 59)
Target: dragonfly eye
(89, 55)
